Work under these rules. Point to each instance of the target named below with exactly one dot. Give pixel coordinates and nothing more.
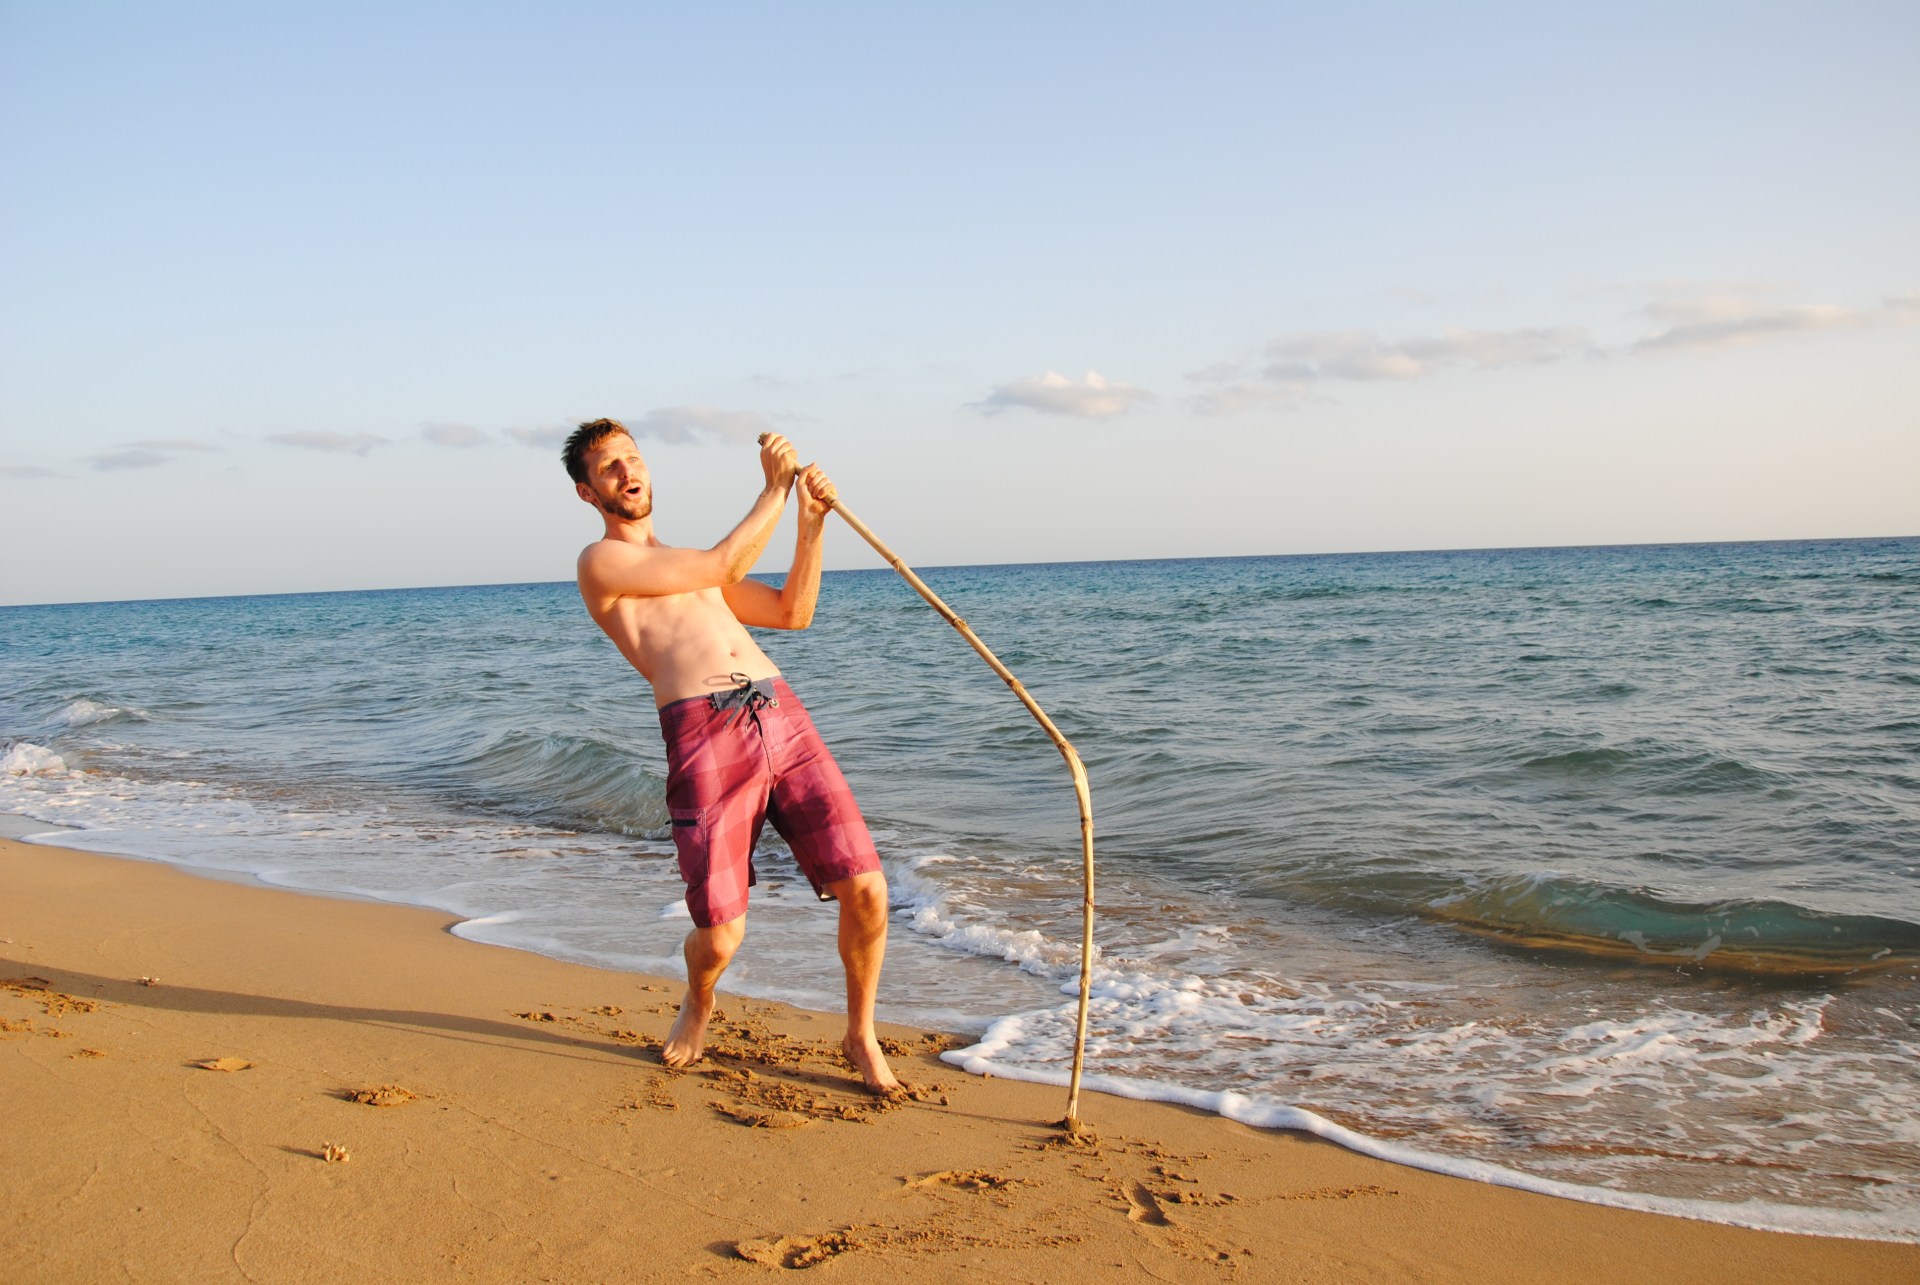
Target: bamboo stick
(1074, 766)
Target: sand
(205, 1080)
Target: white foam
(940, 915)
(81, 712)
(469, 928)
(1247, 1110)
(23, 758)
(1375, 1049)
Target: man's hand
(779, 461)
(816, 494)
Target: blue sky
(299, 297)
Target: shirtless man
(741, 749)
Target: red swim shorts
(742, 758)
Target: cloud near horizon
(172, 444)
(1094, 397)
(678, 425)
(1286, 370)
(133, 457)
(1363, 355)
(27, 471)
(146, 453)
(544, 438)
(1734, 317)
(330, 441)
(458, 436)
(692, 423)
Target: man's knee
(721, 940)
(863, 896)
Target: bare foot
(688, 1038)
(871, 1063)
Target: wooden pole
(1074, 766)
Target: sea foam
(23, 758)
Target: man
(740, 747)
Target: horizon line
(970, 566)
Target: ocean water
(1590, 870)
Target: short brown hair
(584, 439)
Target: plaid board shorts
(741, 758)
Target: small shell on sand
(224, 1064)
(333, 1154)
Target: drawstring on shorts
(748, 697)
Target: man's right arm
(613, 569)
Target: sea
(1593, 871)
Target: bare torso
(684, 644)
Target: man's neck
(630, 530)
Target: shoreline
(962, 1048)
(537, 1133)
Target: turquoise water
(1598, 865)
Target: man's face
(617, 481)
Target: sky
(303, 297)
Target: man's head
(607, 470)
(583, 439)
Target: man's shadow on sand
(582, 1044)
(194, 999)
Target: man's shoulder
(609, 551)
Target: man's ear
(585, 492)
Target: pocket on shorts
(690, 840)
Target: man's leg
(863, 944)
(708, 952)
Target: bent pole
(1074, 766)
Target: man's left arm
(790, 606)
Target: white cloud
(1234, 398)
(1363, 355)
(1294, 369)
(26, 471)
(147, 453)
(1697, 316)
(543, 438)
(1728, 320)
(136, 457)
(460, 436)
(172, 444)
(328, 440)
(1491, 349)
(1285, 372)
(677, 424)
(1094, 397)
(691, 423)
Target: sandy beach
(207, 1080)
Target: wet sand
(205, 1080)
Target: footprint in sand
(755, 1118)
(796, 1252)
(387, 1095)
(224, 1064)
(965, 1179)
(1144, 1207)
